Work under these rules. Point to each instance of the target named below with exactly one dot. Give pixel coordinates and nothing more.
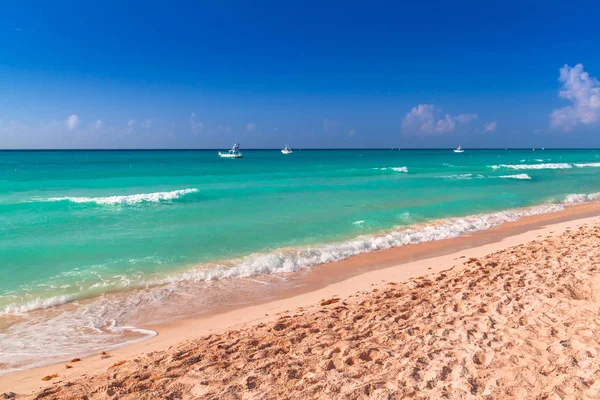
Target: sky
(327, 74)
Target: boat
(286, 150)
(234, 152)
(459, 150)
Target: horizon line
(310, 149)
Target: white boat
(459, 150)
(232, 153)
(286, 150)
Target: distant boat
(286, 150)
(234, 152)
(459, 150)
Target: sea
(96, 244)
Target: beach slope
(522, 322)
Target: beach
(508, 316)
(101, 249)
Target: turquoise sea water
(75, 225)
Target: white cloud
(490, 127)
(584, 92)
(72, 122)
(465, 118)
(148, 123)
(250, 127)
(97, 124)
(351, 132)
(131, 125)
(423, 119)
(330, 126)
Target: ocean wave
(463, 176)
(295, 259)
(595, 164)
(292, 260)
(517, 176)
(578, 198)
(36, 304)
(533, 166)
(397, 169)
(128, 199)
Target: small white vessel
(232, 153)
(286, 150)
(459, 150)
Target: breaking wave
(595, 164)
(517, 176)
(578, 198)
(397, 169)
(36, 304)
(534, 166)
(292, 260)
(129, 199)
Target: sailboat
(286, 150)
(232, 153)
(459, 150)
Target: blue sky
(144, 74)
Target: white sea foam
(517, 176)
(36, 304)
(86, 329)
(397, 169)
(129, 199)
(358, 222)
(460, 176)
(595, 164)
(534, 166)
(581, 198)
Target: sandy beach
(507, 313)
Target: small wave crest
(396, 169)
(584, 165)
(459, 177)
(128, 199)
(534, 166)
(517, 176)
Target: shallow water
(81, 227)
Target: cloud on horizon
(489, 127)
(584, 92)
(423, 120)
(72, 122)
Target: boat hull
(228, 155)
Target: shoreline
(343, 279)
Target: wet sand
(346, 280)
